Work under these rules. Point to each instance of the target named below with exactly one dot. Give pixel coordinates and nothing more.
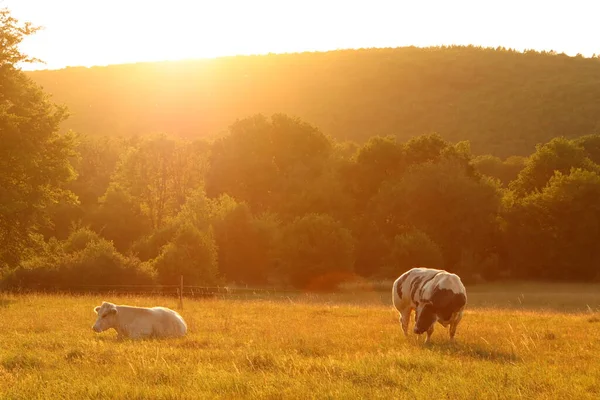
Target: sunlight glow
(120, 31)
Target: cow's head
(106, 317)
(425, 317)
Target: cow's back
(408, 288)
(159, 321)
(168, 322)
(448, 294)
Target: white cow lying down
(139, 322)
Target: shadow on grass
(474, 351)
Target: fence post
(181, 293)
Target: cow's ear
(112, 310)
(96, 309)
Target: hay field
(531, 341)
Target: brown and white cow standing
(436, 295)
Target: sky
(102, 32)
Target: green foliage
(378, 160)
(193, 254)
(505, 171)
(554, 232)
(12, 33)
(591, 145)
(149, 246)
(412, 249)
(372, 246)
(82, 260)
(315, 250)
(265, 162)
(80, 239)
(98, 158)
(245, 245)
(198, 212)
(275, 200)
(503, 101)
(34, 157)
(160, 173)
(120, 218)
(452, 208)
(425, 148)
(559, 154)
(323, 193)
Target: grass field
(515, 341)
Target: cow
(139, 322)
(435, 294)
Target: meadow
(537, 341)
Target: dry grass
(513, 343)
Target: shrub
(316, 252)
(192, 253)
(83, 259)
(412, 249)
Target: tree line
(275, 201)
(502, 101)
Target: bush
(412, 249)
(83, 259)
(79, 239)
(316, 252)
(193, 254)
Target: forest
(301, 170)
(502, 101)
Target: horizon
(182, 60)
(269, 27)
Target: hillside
(503, 101)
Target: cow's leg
(405, 319)
(454, 323)
(429, 333)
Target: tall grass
(306, 346)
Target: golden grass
(307, 346)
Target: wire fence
(358, 295)
(181, 291)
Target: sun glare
(115, 31)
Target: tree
(98, 157)
(119, 218)
(425, 148)
(315, 251)
(559, 154)
(265, 162)
(553, 233)
(95, 164)
(506, 171)
(84, 258)
(245, 244)
(192, 253)
(34, 156)
(591, 145)
(160, 172)
(323, 194)
(455, 210)
(380, 159)
(12, 33)
(412, 249)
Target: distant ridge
(503, 101)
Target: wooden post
(181, 293)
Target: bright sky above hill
(100, 32)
